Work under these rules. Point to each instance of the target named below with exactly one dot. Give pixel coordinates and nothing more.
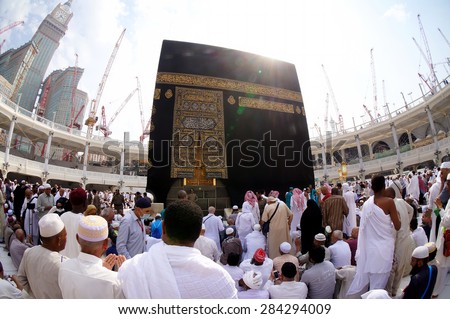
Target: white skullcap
(50, 225)
(46, 186)
(253, 279)
(115, 224)
(376, 294)
(158, 215)
(257, 227)
(40, 188)
(229, 231)
(93, 228)
(445, 165)
(320, 237)
(235, 207)
(285, 247)
(431, 247)
(328, 229)
(420, 252)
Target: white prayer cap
(115, 224)
(253, 279)
(285, 247)
(431, 247)
(235, 207)
(93, 228)
(229, 230)
(158, 215)
(445, 165)
(47, 186)
(257, 227)
(376, 294)
(40, 188)
(50, 225)
(328, 229)
(320, 237)
(420, 252)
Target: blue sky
(336, 33)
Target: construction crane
(44, 99)
(374, 83)
(74, 89)
(425, 57)
(92, 119)
(327, 100)
(370, 114)
(141, 109)
(427, 48)
(104, 128)
(448, 43)
(146, 131)
(68, 154)
(8, 27)
(338, 113)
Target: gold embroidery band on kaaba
(266, 105)
(226, 84)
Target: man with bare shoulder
(376, 240)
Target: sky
(338, 34)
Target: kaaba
(222, 115)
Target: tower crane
(141, 109)
(370, 114)
(45, 92)
(146, 131)
(74, 89)
(8, 27)
(427, 48)
(92, 119)
(426, 59)
(104, 128)
(448, 43)
(374, 83)
(341, 119)
(327, 100)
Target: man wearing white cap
(319, 240)
(253, 241)
(423, 276)
(285, 251)
(252, 282)
(207, 246)
(45, 201)
(40, 264)
(87, 276)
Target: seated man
(18, 247)
(321, 277)
(340, 251)
(421, 285)
(289, 287)
(259, 262)
(252, 282)
(174, 268)
(278, 262)
(319, 240)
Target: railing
(388, 117)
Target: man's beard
(415, 270)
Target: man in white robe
(376, 240)
(404, 244)
(433, 193)
(207, 246)
(350, 219)
(174, 269)
(251, 204)
(86, 277)
(213, 226)
(413, 187)
(244, 223)
(71, 219)
(253, 241)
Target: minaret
(47, 37)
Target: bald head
(28, 193)
(336, 235)
(182, 194)
(20, 234)
(211, 210)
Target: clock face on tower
(61, 15)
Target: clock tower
(47, 39)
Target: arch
(404, 139)
(380, 147)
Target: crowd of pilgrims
(350, 240)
